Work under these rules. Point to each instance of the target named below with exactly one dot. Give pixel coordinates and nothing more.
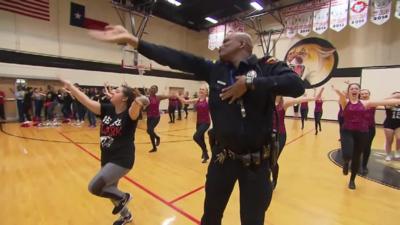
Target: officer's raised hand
(235, 91)
(115, 34)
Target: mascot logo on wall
(314, 60)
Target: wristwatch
(249, 82)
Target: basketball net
(141, 70)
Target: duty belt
(247, 159)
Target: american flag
(38, 9)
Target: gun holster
(273, 148)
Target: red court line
(143, 188)
(79, 146)
(187, 194)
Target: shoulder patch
(272, 60)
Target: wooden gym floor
(44, 174)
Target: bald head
(245, 38)
(236, 47)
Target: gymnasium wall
(56, 37)
(369, 46)
(59, 39)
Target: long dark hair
(129, 93)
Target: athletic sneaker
(388, 158)
(117, 209)
(123, 220)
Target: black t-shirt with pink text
(117, 135)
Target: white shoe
(388, 158)
(397, 154)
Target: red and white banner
(380, 12)
(305, 18)
(233, 27)
(339, 11)
(321, 16)
(397, 12)
(358, 13)
(289, 16)
(216, 36)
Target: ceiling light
(174, 2)
(211, 20)
(256, 6)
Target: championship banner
(339, 11)
(290, 20)
(235, 26)
(304, 18)
(358, 13)
(321, 16)
(397, 12)
(380, 11)
(216, 37)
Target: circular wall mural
(314, 60)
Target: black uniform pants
(179, 111)
(254, 185)
(171, 113)
(152, 122)
(353, 145)
(2, 115)
(275, 169)
(185, 108)
(198, 136)
(317, 118)
(304, 115)
(367, 149)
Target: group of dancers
(203, 116)
(119, 120)
(357, 127)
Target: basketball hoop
(132, 60)
(141, 70)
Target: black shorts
(390, 124)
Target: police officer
(241, 100)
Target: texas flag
(77, 18)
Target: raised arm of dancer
(394, 95)
(107, 90)
(392, 101)
(291, 102)
(69, 92)
(93, 106)
(342, 97)
(319, 93)
(140, 102)
(187, 101)
(162, 97)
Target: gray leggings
(105, 183)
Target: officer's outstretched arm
(175, 59)
(165, 56)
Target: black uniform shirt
(232, 130)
